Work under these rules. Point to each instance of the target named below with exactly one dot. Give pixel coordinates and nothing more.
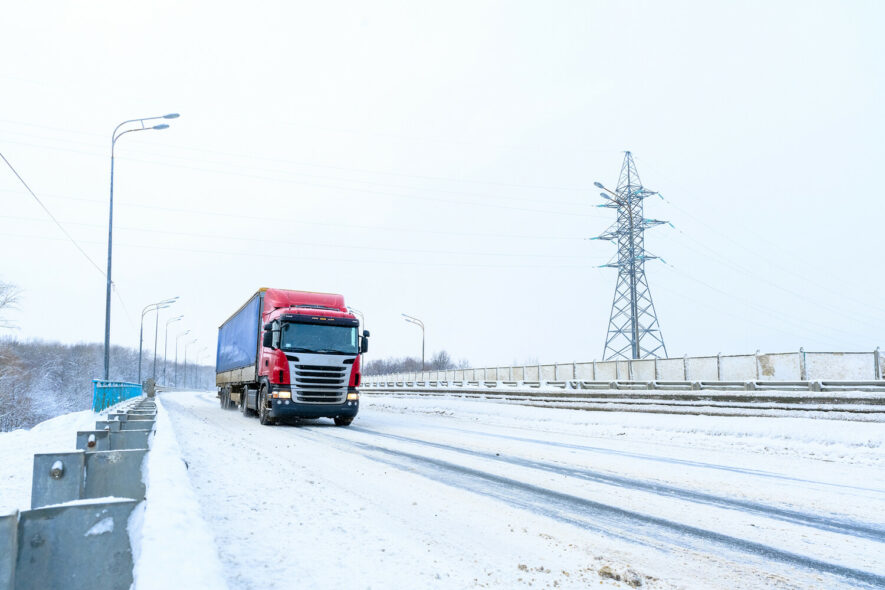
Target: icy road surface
(447, 493)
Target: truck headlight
(352, 397)
(284, 394)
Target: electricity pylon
(633, 329)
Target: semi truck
(290, 355)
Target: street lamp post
(107, 314)
(196, 379)
(417, 322)
(166, 344)
(194, 341)
(150, 307)
(176, 354)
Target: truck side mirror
(364, 345)
(365, 333)
(268, 339)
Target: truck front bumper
(286, 409)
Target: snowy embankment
(171, 545)
(17, 449)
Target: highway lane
(493, 500)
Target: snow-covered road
(455, 493)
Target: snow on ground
(171, 545)
(17, 449)
(453, 493)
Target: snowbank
(171, 545)
(17, 450)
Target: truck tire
(243, 408)
(343, 421)
(263, 412)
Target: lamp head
(160, 126)
(171, 116)
(598, 185)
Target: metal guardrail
(108, 393)
(813, 386)
(75, 535)
(799, 365)
(843, 400)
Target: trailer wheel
(243, 408)
(263, 412)
(343, 421)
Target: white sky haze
(438, 159)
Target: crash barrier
(75, 536)
(109, 393)
(781, 367)
(483, 386)
(862, 401)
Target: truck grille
(320, 384)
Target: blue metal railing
(107, 393)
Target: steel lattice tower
(633, 329)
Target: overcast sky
(438, 159)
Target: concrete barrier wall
(671, 370)
(846, 366)
(606, 371)
(703, 368)
(737, 367)
(786, 366)
(644, 370)
(780, 367)
(584, 371)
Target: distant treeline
(439, 362)
(41, 380)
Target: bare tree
(9, 295)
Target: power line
(263, 254)
(410, 197)
(51, 216)
(315, 244)
(331, 166)
(205, 212)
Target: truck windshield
(318, 338)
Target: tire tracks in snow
(588, 514)
(834, 525)
(666, 460)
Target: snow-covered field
(453, 493)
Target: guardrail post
(8, 549)
(630, 370)
(803, 373)
(685, 367)
(594, 369)
(718, 366)
(57, 478)
(877, 364)
(757, 364)
(656, 369)
(75, 546)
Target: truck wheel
(263, 412)
(343, 421)
(243, 398)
